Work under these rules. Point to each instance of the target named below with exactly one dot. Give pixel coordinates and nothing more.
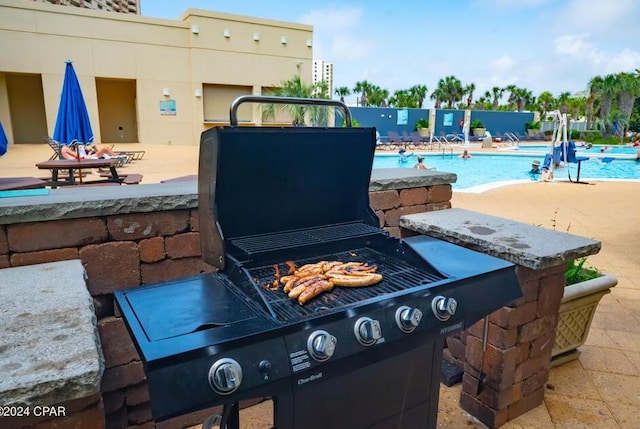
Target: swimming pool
(583, 151)
(483, 169)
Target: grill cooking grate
(397, 276)
(287, 239)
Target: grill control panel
(408, 318)
(225, 376)
(367, 331)
(443, 308)
(371, 328)
(321, 345)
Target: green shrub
(354, 123)
(576, 272)
(575, 135)
(476, 123)
(533, 125)
(422, 123)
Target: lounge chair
(417, 141)
(19, 183)
(395, 139)
(55, 147)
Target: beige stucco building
(146, 80)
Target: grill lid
(263, 180)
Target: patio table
(81, 164)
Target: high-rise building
(122, 6)
(323, 71)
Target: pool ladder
(444, 152)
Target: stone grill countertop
(49, 343)
(527, 245)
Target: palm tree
(342, 91)
(546, 101)
(518, 97)
(378, 96)
(628, 90)
(403, 98)
(451, 87)
(439, 97)
(563, 102)
(595, 87)
(363, 88)
(576, 106)
(497, 94)
(513, 98)
(295, 87)
(469, 90)
(607, 92)
(419, 92)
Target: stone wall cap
(78, 202)
(383, 179)
(50, 348)
(527, 245)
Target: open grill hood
(260, 181)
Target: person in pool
(420, 165)
(403, 156)
(465, 154)
(535, 167)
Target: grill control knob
(443, 308)
(408, 318)
(225, 376)
(367, 331)
(321, 345)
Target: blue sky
(541, 45)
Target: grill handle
(233, 110)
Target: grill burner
(350, 358)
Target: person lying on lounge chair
(94, 152)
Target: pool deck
(599, 390)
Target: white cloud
(337, 33)
(611, 18)
(347, 47)
(625, 60)
(580, 47)
(333, 19)
(510, 4)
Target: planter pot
(532, 132)
(576, 313)
(479, 132)
(424, 132)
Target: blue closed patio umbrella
(3, 141)
(72, 124)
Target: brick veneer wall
(121, 251)
(520, 339)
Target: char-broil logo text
(306, 380)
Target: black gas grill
(351, 358)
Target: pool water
(583, 151)
(483, 169)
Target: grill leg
(230, 418)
